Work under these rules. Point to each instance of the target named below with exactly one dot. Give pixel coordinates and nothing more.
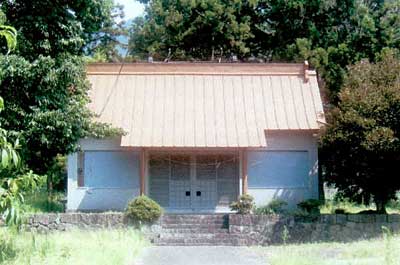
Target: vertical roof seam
(215, 111)
(140, 137)
(262, 86)
(164, 88)
(294, 104)
(194, 114)
(234, 112)
(224, 111)
(244, 110)
(313, 101)
(184, 111)
(204, 111)
(174, 113)
(153, 113)
(284, 105)
(304, 104)
(254, 111)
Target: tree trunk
(49, 191)
(380, 206)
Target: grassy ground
(331, 206)
(38, 202)
(383, 251)
(100, 247)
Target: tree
(13, 179)
(54, 27)
(360, 149)
(192, 29)
(44, 83)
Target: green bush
(275, 206)
(244, 205)
(142, 209)
(310, 206)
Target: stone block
(394, 218)
(381, 218)
(354, 218)
(367, 218)
(327, 218)
(341, 219)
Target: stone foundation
(232, 229)
(270, 229)
(65, 221)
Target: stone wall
(65, 221)
(244, 229)
(274, 229)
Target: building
(197, 135)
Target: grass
(38, 202)
(382, 251)
(77, 247)
(330, 206)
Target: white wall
(295, 158)
(111, 177)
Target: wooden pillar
(142, 170)
(244, 172)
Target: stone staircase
(196, 230)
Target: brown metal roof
(204, 105)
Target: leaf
(4, 158)
(15, 158)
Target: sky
(132, 8)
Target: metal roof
(204, 105)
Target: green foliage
(244, 204)
(51, 29)
(275, 206)
(359, 150)
(285, 234)
(10, 35)
(46, 105)
(14, 179)
(192, 29)
(142, 209)
(310, 206)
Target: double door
(193, 182)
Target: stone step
(231, 241)
(219, 234)
(194, 226)
(194, 230)
(194, 218)
(189, 220)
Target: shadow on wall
(291, 196)
(101, 200)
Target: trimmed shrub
(275, 206)
(142, 209)
(244, 204)
(310, 206)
